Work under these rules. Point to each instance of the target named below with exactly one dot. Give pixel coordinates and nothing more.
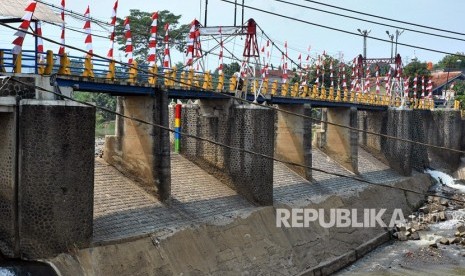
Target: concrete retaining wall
(438, 127)
(250, 244)
(141, 150)
(293, 140)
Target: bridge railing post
(17, 63)
(49, 63)
(88, 67)
(64, 65)
(111, 70)
(133, 70)
(220, 85)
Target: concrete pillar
(246, 127)
(398, 153)
(342, 143)
(56, 177)
(442, 128)
(143, 150)
(252, 175)
(8, 176)
(293, 140)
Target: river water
(417, 257)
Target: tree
(451, 62)
(100, 99)
(140, 23)
(416, 68)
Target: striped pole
(177, 127)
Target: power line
(369, 21)
(346, 32)
(265, 156)
(385, 18)
(246, 101)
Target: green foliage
(459, 87)
(140, 23)
(100, 99)
(451, 62)
(416, 68)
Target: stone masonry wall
(56, 177)
(14, 88)
(250, 128)
(7, 183)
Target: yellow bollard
(166, 75)
(264, 87)
(346, 95)
(190, 78)
(254, 86)
(314, 91)
(133, 72)
(331, 94)
(274, 87)
(295, 90)
(220, 85)
(2, 62)
(323, 93)
(352, 97)
(49, 63)
(183, 82)
(64, 65)
(305, 93)
(112, 71)
(456, 105)
(232, 84)
(17, 59)
(153, 74)
(338, 95)
(88, 68)
(174, 75)
(284, 89)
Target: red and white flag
(429, 88)
(61, 51)
(128, 36)
(166, 59)
(113, 33)
(377, 81)
(21, 34)
(220, 58)
(152, 59)
(367, 82)
(40, 42)
(422, 87)
(88, 31)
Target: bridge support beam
(294, 138)
(47, 198)
(342, 143)
(142, 150)
(239, 126)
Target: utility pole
(235, 12)
(391, 36)
(398, 33)
(242, 12)
(206, 11)
(365, 34)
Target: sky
(446, 14)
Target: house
(440, 79)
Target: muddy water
(417, 257)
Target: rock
(444, 202)
(415, 236)
(442, 216)
(454, 240)
(457, 234)
(423, 210)
(461, 228)
(462, 242)
(462, 234)
(401, 236)
(444, 241)
(433, 245)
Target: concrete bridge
(51, 202)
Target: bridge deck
(123, 210)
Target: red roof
(440, 78)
